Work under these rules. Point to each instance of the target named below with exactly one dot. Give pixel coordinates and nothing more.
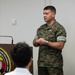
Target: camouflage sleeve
(37, 34)
(61, 38)
(61, 34)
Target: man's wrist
(46, 42)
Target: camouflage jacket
(48, 56)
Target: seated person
(22, 57)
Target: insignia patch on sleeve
(61, 38)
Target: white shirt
(19, 71)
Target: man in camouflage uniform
(50, 38)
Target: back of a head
(52, 8)
(21, 54)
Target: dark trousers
(50, 71)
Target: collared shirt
(19, 71)
(48, 56)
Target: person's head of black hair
(52, 8)
(21, 54)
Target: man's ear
(53, 14)
(30, 62)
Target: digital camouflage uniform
(51, 58)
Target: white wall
(29, 16)
(65, 15)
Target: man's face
(48, 15)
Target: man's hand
(41, 41)
(36, 44)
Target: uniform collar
(49, 27)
